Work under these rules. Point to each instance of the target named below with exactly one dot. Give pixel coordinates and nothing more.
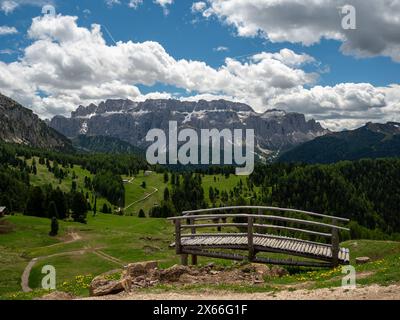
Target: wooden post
(178, 246)
(184, 259)
(250, 238)
(193, 231)
(335, 245)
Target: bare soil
(373, 292)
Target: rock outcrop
(147, 274)
(275, 130)
(20, 125)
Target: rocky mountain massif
(374, 140)
(20, 125)
(130, 121)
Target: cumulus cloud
(309, 21)
(67, 65)
(346, 105)
(64, 57)
(164, 4)
(199, 6)
(134, 3)
(8, 6)
(6, 30)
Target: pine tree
(95, 206)
(141, 214)
(53, 227)
(52, 210)
(166, 194)
(105, 208)
(79, 207)
(35, 203)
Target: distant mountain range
(120, 126)
(103, 144)
(373, 140)
(130, 121)
(20, 125)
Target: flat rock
(100, 286)
(362, 260)
(140, 268)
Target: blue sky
(211, 38)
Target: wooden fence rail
(221, 244)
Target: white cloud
(72, 65)
(309, 21)
(8, 6)
(164, 4)
(199, 6)
(6, 51)
(5, 30)
(135, 3)
(345, 105)
(111, 3)
(221, 49)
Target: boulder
(140, 268)
(362, 260)
(100, 286)
(261, 269)
(173, 273)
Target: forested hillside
(366, 191)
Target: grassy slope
(133, 190)
(133, 239)
(43, 177)
(126, 238)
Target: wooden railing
(252, 223)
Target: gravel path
(373, 292)
(143, 199)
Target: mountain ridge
(373, 140)
(275, 130)
(20, 125)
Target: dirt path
(107, 257)
(143, 199)
(27, 271)
(73, 237)
(373, 292)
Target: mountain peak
(20, 125)
(275, 130)
(388, 128)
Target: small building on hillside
(147, 173)
(3, 211)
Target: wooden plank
(264, 208)
(211, 225)
(250, 238)
(264, 217)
